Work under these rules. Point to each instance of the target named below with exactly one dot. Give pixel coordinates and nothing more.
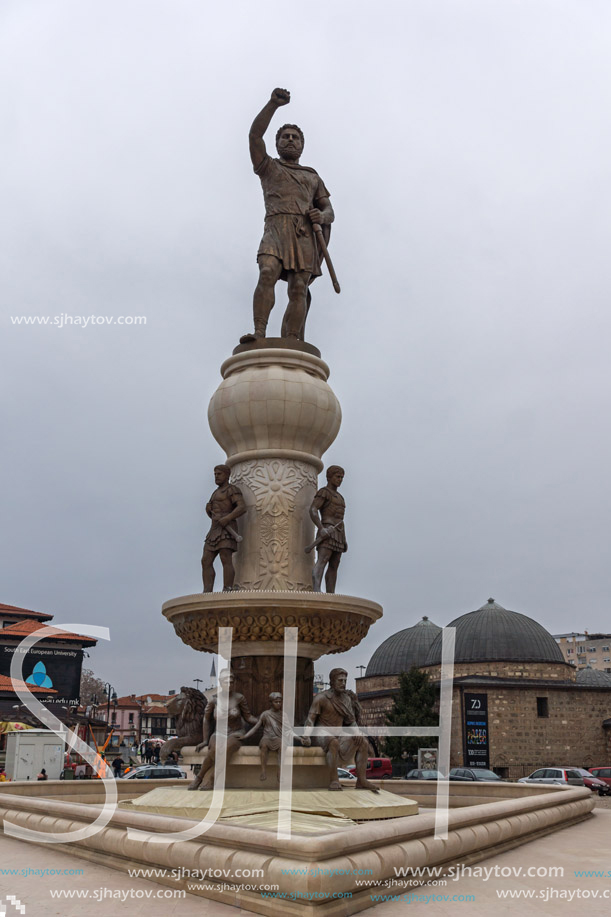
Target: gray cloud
(467, 150)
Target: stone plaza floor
(582, 847)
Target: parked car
(155, 772)
(344, 774)
(561, 776)
(602, 773)
(424, 775)
(473, 773)
(377, 768)
(594, 783)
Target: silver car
(561, 776)
(155, 772)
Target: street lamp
(111, 695)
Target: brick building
(517, 703)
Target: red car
(593, 783)
(377, 769)
(602, 773)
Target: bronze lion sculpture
(188, 707)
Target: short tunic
(289, 191)
(221, 503)
(272, 729)
(332, 508)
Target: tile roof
(15, 610)
(7, 684)
(25, 628)
(155, 709)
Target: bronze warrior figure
(327, 512)
(225, 506)
(295, 199)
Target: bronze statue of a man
(225, 506)
(295, 198)
(339, 707)
(327, 512)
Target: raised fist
(281, 97)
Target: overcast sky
(467, 149)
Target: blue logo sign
(39, 677)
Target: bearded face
(289, 144)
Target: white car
(561, 776)
(343, 774)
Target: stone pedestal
(325, 623)
(275, 415)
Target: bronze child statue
(225, 506)
(271, 721)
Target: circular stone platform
(327, 623)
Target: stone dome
(494, 634)
(403, 650)
(593, 678)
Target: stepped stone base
(244, 771)
(359, 805)
(311, 871)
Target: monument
(275, 415)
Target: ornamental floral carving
(275, 483)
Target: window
(605, 649)
(131, 717)
(570, 650)
(542, 707)
(591, 649)
(113, 719)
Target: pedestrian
(43, 775)
(117, 766)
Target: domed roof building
(533, 708)
(593, 678)
(494, 634)
(404, 649)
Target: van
(377, 769)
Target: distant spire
(213, 670)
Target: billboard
(477, 752)
(48, 667)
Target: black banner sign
(47, 667)
(476, 731)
